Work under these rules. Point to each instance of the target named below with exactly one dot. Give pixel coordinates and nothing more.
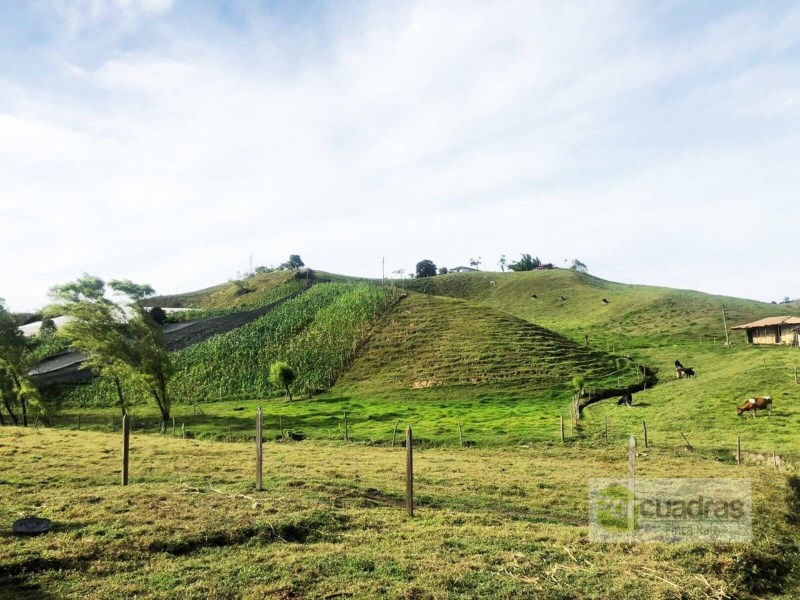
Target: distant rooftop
(770, 322)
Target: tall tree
(502, 262)
(98, 327)
(152, 367)
(525, 263)
(475, 263)
(426, 268)
(579, 266)
(17, 391)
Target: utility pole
(383, 271)
(725, 323)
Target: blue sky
(167, 140)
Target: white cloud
(443, 131)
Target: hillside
(433, 342)
(635, 315)
(317, 332)
(243, 293)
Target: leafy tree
(149, 359)
(282, 375)
(48, 327)
(98, 327)
(294, 262)
(121, 345)
(442, 270)
(579, 266)
(502, 262)
(158, 314)
(475, 262)
(16, 389)
(526, 263)
(426, 268)
(261, 270)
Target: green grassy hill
(244, 293)
(430, 342)
(635, 315)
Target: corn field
(317, 333)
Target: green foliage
(318, 333)
(282, 375)
(16, 390)
(578, 383)
(426, 268)
(47, 328)
(579, 266)
(294, 262)
(525, 263)
(158, 315)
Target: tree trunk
(24, 411)
(10, 412)
(2, 419)
(120, 396)
(288, 391)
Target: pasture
(509, 523)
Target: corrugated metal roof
(770, 322)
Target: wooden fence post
(562, 428)
(631, 483)
(795, 376)
(79, 422)
(394, 435)
(173, 426)
(346, 433)
(774, 459)
(183, 430)
(126, 437)
(644, 429)
(738, 449)
(460, 436)
(259, 449)
(409, 472)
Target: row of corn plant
(318, 333)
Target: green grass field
(508, 523)
(504, 517)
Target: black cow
(626, 398)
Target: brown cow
(753, 405)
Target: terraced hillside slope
(572, 303)
(433, 342)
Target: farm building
(773, 331)
(462, 270)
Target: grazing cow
(626, 398)
(534, 296)
(681, 372)
(605, 301)
(678, 364)
(753, 405)
(491, 282)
